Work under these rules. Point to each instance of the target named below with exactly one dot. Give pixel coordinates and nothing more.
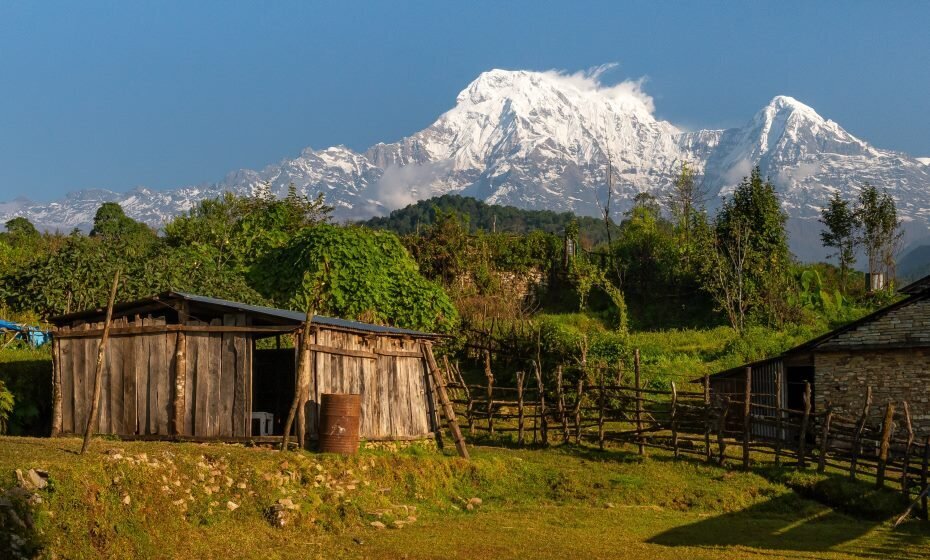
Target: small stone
(127, 500)
(411, 519)
(241, 486)
(475, 501)
(469, 507)
(378, 525)
(232, 506)
(398, 524)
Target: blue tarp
(33, 335)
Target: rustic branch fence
(878, 445)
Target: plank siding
(140, 370)
(128, 375)
(66, 365)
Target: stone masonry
(895, 374)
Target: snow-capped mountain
(541, 140)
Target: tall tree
(881, 230)
(686, 201)
(749, 232)
(841, 223)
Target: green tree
(750, 242)
(20, 229)
(686, 200)
(881, 230)
(841, 223)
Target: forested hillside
(480, 215)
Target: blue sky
(165, 94)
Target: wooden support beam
(56, 387)
(708, 453)
(448, 411)
(805, 421)
(825, 439)
(779, 432)
(543, 421)
(885, 444)
(98, 372)
(302, 387)
(857, 437)
(905, 471)
(490, 403)
(747, 417)
(180, 384)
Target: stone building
(888, 350)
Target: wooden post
(490, 405)
(905, 478)
(98, 372)
(302, 385)
(923, 477)
(885, 444)
(747, 417)
(601, 404)
(805, 421)
(520, 407)
(543, 422)
(427, 348)
(707, 417)
(580, 393)
(560, 396)
(857, 438)
(721, 428)
(824, 439)
(56, 387)
(674, 420)
(779, 435)
(180, 384)
(639, 403)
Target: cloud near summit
(627, 92)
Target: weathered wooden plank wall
(395, 395)
(137, 394)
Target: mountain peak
(787, 106)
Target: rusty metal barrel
(339, 420)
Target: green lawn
(558, 503)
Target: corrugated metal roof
(298, 316)
(287, 316)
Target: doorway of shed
(273, 386)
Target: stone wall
(896, 375)
(906, 325)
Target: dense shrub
(364, 274)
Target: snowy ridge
(540, 140)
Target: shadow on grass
(582, 451)
(770, 525)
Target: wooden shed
(180, 365)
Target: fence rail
(879, 444)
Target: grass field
(165, 500)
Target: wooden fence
(878, 445)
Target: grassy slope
(556, 503)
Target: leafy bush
(25, 391)
(365, 274)
(6, 406)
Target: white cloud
(737, 171)
(401, 186)
(628, 92)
